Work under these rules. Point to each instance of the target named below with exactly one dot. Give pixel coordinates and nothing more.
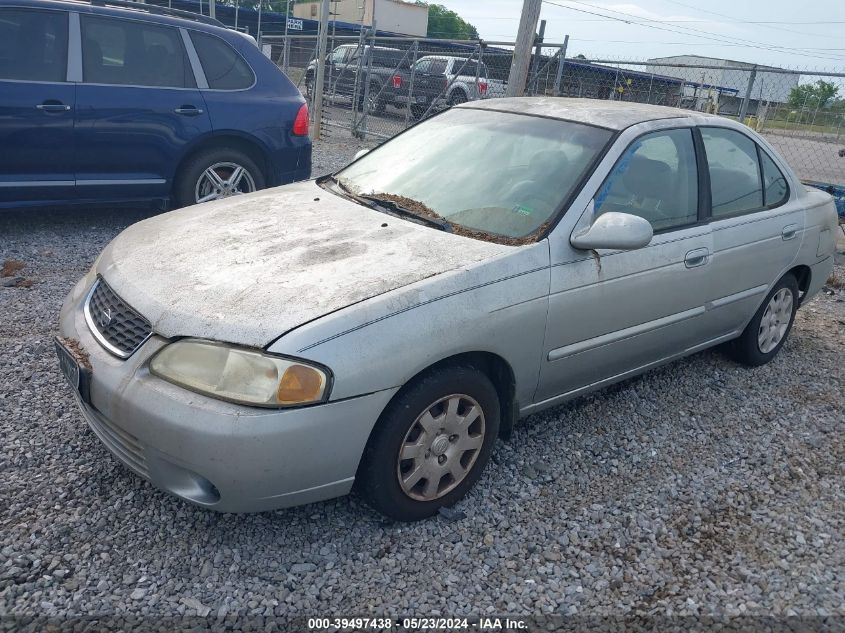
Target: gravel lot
(700, 488)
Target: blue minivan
(121, 102)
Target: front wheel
(766, 333)
(431, 444)
(217, 173)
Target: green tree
(445, 24)
(816, 95)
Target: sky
(808, 34)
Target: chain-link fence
(374, 87)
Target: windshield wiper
(388, 206)
(404, 212)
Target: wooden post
(522, 51)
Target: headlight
(240, 375)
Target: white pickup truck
(447, 81)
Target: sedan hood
(250, 268)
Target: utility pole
(321, 68)
(212, 9)
(522, 51)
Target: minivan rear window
(33, 45)
(224, 68)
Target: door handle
(188, 110)
(697, 257)
(53, 106)
(789, 232)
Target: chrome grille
(118, 328)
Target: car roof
(614, 115)
(151, 13)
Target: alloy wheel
(441, 447)
(223, 180)
(775, 320)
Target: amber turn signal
(300, 384)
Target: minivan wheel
(431, 444)
(215, 174)
(767, 332)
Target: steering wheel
(528, 191)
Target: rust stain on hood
(250, 268)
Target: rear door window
(33, 45)
(133, 53)
(463, 67)
(438, 67)
(775, 189)
(224, 68)
(735, 185)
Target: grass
(780, 124)
(835, 281)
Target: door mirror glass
(616, 231)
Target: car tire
(441, 445)
(223, 161)
(374, 106)
(769, 328)
(418, 111)
(457, 98)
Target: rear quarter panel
(264, 113)
(819, 243)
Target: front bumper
(216, 454)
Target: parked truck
(390, 79)
(346, 62)
(446, 80)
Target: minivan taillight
(300, 123)
(397, 81)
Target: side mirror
(360, 153)
(617, 231)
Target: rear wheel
(767, 332)
(457, 97)
(215, 174)
(431, 444)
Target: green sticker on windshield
(521, 210)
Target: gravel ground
(700, 488)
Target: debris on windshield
(415, 206)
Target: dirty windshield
(493, 172)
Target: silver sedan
(382, 326)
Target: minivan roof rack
(156, 9)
